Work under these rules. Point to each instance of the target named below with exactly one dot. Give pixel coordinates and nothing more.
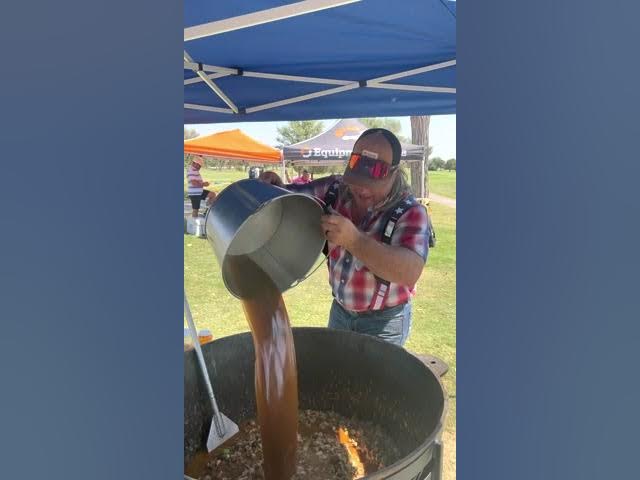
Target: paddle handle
(217, 419)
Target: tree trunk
(419, 170)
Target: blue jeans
(392, 324)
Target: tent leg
(422, 179)
(283, 169)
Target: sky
(442, 132)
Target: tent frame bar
(207, 108)
(191, 65)
(411, 88)
(345, 85)
(223, 71)
(268, 76)
(211, 85)
(260, 17)
(211, 76)
(330, 81)
(303, 98)
(415, 71)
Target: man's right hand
(271, 178)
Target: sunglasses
(377, 169)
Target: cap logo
(367, 153)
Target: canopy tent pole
(211, 76)
(210, 84)
(189, 64)
(345, 85)
(207, 108)
(422, 193)
(222, 71)
(260, 17)
(415, 71)
(302, 98)
(411, 88)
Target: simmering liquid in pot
(276, 377)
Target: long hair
(399, 190)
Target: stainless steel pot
(279, 230)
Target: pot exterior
(351, 374)
(279, 230)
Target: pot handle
(314, 270)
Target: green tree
(297, 131)
(450, 164)
(190, 133)
(436, 163)
(390, 124)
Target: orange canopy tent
(233, 145)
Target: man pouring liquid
(377, 237)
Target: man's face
(196, 166)
(371, 195)
(305, 176)
(367, 196)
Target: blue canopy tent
(267, 60)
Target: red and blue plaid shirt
(352, 283)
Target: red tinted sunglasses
(375, 168)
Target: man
(300, 179)
(377, 238)
(195, 186)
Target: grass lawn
(443, 183)
(434, 307)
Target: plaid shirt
(352, 284)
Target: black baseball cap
(372, 161)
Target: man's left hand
(340, 230)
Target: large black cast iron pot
(351, 374)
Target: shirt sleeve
(317, 188)
(412, 231)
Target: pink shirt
(300, 180)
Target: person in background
(377, 237)
(300, 179)
(195, 186)
(254, 172)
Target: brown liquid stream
(276, 378)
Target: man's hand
(205, 184)
(340, 231)
(271, 178)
